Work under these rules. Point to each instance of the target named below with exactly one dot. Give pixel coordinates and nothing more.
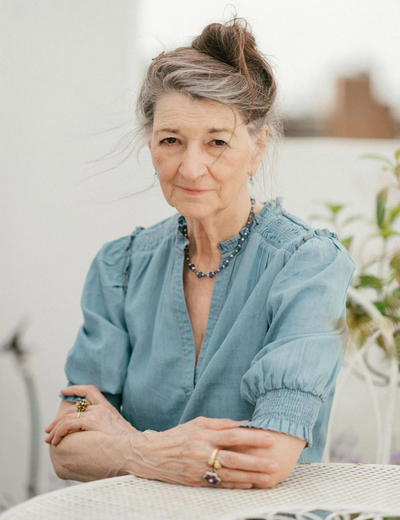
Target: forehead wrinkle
(192, 114)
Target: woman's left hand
(99, 416)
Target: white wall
(68, 69)
(70, 78)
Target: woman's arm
(84, 455)
(109, 446)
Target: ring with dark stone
(212, 478)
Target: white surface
(338, 488)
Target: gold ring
(81, 406)
(217, 464)
(213, 462)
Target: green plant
(379, 276)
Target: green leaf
(381, 306)
(387, 232)
(368, 280)
(381, 199)
(347, 242)
(335, 208)
(393, 301)
(395, 263)
(397, 171)
(397, 154)
(353, 218)
(394, 213)
(378, 157)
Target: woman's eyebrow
(210, 131)
(218, 130)
(169, 130)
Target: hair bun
(231, 43)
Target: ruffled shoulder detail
(283, 230)
(113, 259)
(151, 237)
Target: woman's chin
(194, 209)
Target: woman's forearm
(100, 443)
(91, 455)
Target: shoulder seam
(128, 256)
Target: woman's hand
(248, 455)
(180, 455)
(286, 449)
(99, 416)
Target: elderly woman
(211, 340)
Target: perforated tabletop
(371, 490)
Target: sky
(309, 42)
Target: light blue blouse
(274, 342)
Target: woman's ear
(260, 147)
(148, 136)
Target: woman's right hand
(180, 455)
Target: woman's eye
(219, 143)
(169, 140)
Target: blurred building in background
(356, 114)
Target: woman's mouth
(191, 191)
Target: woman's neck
(205, 234)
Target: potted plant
(373, 308)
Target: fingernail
(273, 466)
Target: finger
(55, 423)
(50, 437)
(240, 461)
(243, 477)
(52, 432)
(230, 485)
(90, 392)
(243, 437)
(69, 426)
(51, 426)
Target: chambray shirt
(274, 342)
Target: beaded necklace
(243, 235)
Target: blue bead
(191, 266)
(211, 274)
(200, 275)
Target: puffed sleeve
(304, 346)
(102, 349)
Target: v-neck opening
(211, 318)
(191, 367)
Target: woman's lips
(190, 191)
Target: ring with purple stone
(212, 478)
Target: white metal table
(368, 490)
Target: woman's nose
(193, 163)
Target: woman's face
(203, 155)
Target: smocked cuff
(287, 411)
